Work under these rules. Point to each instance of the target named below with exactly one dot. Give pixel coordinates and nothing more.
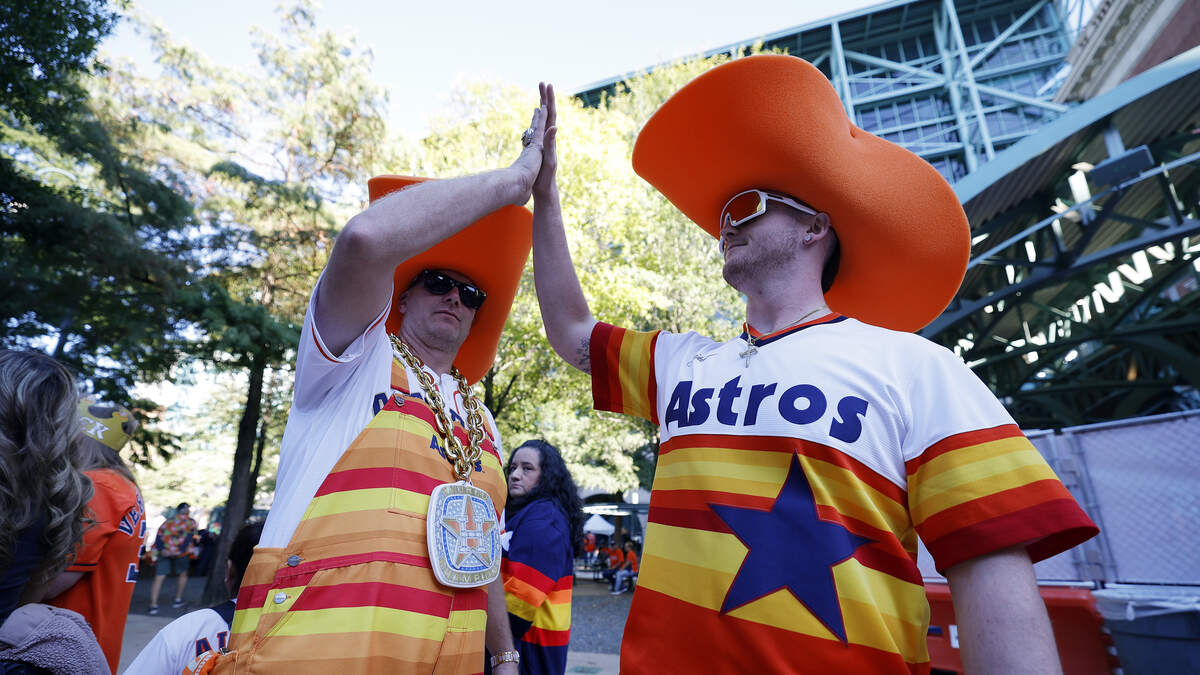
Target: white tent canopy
(598, 525)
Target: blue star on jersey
(790, 547)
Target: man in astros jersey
(800, 460)
(406, 315)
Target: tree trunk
(259, 444)
(237, 507)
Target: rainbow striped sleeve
(980, 491)
(623, 371)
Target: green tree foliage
(44, 48)
(97, 251)
(275, 160)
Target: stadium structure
(1070, 130)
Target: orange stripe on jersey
(521, 588)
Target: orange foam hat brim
(492, 251)
(774, 122)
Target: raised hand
(544, 184)
(529, 163)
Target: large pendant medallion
(463, 532)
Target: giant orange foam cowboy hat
(491, 251)
(775, 123)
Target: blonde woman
(42, 502)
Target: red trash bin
(1083, 643)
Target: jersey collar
(761, 339)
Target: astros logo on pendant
(463, 533)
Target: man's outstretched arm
(358, 277)
(564, 308)
(1002, 622)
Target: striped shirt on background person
(539, 572)
(791, 488)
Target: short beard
(742, 272)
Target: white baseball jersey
(335, 397)
(181, 641)
(794, 474)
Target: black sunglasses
(472, 297)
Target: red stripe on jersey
(990, 506)
(392, 596)
(256, 595)
(818, 451)
(604, 351)
(877, 558)
(729, 644)
(963, 440)
(695, 519)
(529, 575)
(1063, 518)
(547, 638)
(378, 477)
(700, 499)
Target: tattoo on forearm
(583, 355)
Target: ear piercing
(808, 238)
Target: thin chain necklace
(463, 459)
(753, 342)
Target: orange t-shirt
(632, 559)
(108, 557)
(615, 558)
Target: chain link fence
(1139, 480)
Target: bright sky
(422, 48)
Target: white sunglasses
(750, 204)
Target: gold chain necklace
(462, 459)
(752, 342)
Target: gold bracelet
(509, 656)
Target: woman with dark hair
(544, 532)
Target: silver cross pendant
(751, 350)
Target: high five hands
(538, 161)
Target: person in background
(627, 570)
(43, 500)
(545, 518)
(616, 559)
(589, 548)
(175, 646)
(99, 583)
(172, 543)
(205, 543)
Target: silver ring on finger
(527, 137)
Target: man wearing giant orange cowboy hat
(381, 552)
(800, 461)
